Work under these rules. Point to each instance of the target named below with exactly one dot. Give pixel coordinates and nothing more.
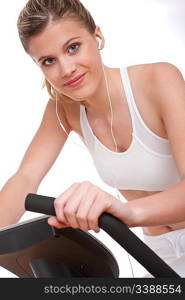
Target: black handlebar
(40, 204)
(118, 231)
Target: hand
(81, 205)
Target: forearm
(12, 198)
(162, 208)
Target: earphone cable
(112, 133)
(111, 125)
(115, 185)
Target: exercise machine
(34, 249)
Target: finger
(72, 205)
(70, 209)
(55, 223)
(94, 213)
(61, 200)
(84, 208)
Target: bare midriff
(150, 230)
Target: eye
(48, 61)
(73, 48)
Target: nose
(67, 67)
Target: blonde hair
(37, 14)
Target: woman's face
(65, 50)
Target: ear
(100, 38)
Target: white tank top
(146, 165)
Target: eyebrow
(46, 56)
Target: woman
(132, 120)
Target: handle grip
(45, 205)
(40, 204)
(118, 231)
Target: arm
(38, 159)
(167, 207)
(163, 208)
(12, 198)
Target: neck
(99, 105)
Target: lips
(75, 80)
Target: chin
(83, 93)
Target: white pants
(170, 247)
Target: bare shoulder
(154, 72)
(141, 77)
(157, 80)
(159, 73)
(162, 72)
(144, 87)
(167, 84)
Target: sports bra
(146, 165)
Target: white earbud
(99, 44)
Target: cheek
(52, 76)
(89, 57)
(91, 61)
(94, 68)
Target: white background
(136, 31)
